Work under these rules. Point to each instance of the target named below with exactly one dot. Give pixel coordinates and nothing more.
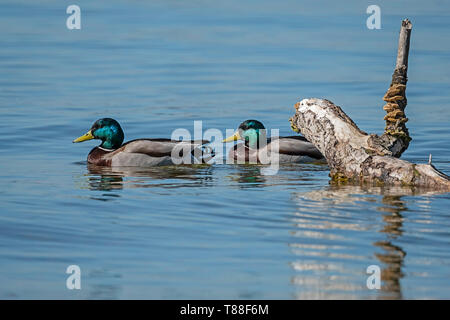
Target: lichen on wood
(396, 136)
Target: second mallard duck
(140, 152)
(291, 149)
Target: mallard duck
(140, 152)
(292, 149)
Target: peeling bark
(356, 156)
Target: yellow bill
(87, 136)
(234, 137)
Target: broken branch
(356, 156)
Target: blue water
(221, 231)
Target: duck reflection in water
(248, 176)
(104, 180)
(117, 178)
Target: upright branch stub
(396, 136)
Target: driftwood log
(355, 156)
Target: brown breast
(242, 152)
(97, 157)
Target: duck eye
(95, 126)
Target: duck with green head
(140, 152)
(288, 149)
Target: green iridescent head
(251, 132)
(106, 129)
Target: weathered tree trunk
(354, 155)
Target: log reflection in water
(322, 241)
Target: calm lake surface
(221, 231)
